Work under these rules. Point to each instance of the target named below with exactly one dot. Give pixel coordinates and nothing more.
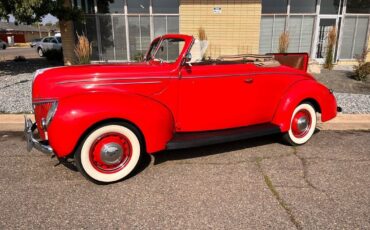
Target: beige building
(23, 33)
(123, 29)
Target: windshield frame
(152, 49)
(188, 43)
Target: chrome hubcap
(111, 153)
(302, 124)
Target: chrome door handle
(248, 80)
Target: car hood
(61, 81)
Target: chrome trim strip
(111, 79)
(167, 77)
(244, 74)
(43, 101)
(125, 83)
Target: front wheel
(302, 125)
(109, 153)
(40, 52)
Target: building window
(165, 25)
(138, 6)
(358, 6)
(302, 6)
(111, 31)
(139, 36)
(355, 29)
(300, 33)
(89, 28)
(119, 31)
(329, 6)
(165, 6)
(271, 28)
(106, 37)
(87, 6)
(274, 6)
(114, 6)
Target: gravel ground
(15, 96)
(353, 103)
(15, 93)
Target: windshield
(169, 50)
(59, 39)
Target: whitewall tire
(109, 153)
(302, 124)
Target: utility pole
(38, 25)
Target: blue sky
(46, 19)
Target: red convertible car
(106, 116)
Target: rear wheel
(109, 153)
(4, 47)
(302, 125)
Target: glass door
(325, 25)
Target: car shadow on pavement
(11, 67)
(191, 153)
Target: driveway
(251, 184)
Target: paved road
(10, 53)
(245, 185)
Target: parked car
(34, 42)
(49, 43)
(3, 44)
(107, 116)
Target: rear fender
(76, 114)
(305, 90)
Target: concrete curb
(15, 122)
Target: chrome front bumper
(29, 128)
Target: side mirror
(188, 58)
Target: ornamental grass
(331, 40)
(83, 49)
(284, 42)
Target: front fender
(305, 90)
(76, 114)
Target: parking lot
(251, 184)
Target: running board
(197, 139)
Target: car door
(213, 97)
(54, 44)
(46, 44)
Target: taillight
(44, 112)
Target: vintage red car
(106, 116)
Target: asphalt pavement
(253, 184)
(11, 52)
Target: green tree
(30, 11)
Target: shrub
(332, 39)
(362, 69)
(139, 57)
(53, 55)
(83, 50)
(283, 42)
(19, 58)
